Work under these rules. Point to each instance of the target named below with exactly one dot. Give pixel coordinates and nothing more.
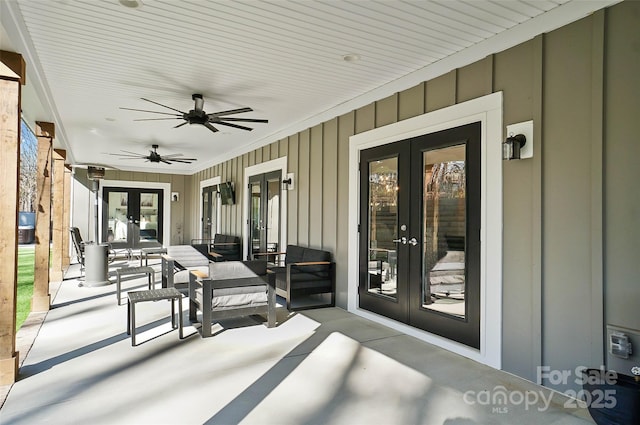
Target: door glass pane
(256, 221)
(209, 204)
(383, 226)
(273, 215)
(444, 230)
(118, 227)
(148, 217)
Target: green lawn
(26, 256)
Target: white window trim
(487, 110)
(265, 167)
(166, 202)
(207, 183)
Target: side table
(171, 294)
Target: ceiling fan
(198, 116)
(154, 156)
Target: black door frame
(407, 306)
(263, 180)
(133, 211)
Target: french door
(264, 210)
(419, 232)
(209, 211)
(132, 218)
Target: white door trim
(487, 110)
(265, 167)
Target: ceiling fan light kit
(197, 115)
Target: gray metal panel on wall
(303, 187)
(475, 80)
(387, 110)
(315, 186)
(366, 118)
(346, 128)
(622, 150)
(411, 102)
(514, 72)
(292, 198)
(441, 91)
(330, 185)
(567, 207)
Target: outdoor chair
(306, 272)
(232, 289)
(78, 245)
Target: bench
(151, 274)
(306, 271)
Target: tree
(28, 168)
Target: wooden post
(41, 301)
(57, 269)
(66, 219)
(12, 72)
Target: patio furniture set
(218, 288)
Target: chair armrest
(257, 254)
(312, 263)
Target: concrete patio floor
(323, 366)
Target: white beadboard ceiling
(284, 59)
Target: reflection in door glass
(273, 215)
(383, 226)
(118, 217)
(256, 221)
(444, 227)
(148, 217)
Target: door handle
(402, 240)
(413, 242)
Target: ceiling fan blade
(230, 112)
(123, 155)
(158, 119)
(243, 119)
(181, 161)
(180, 125)
(164, 106)
(153, 112)
(235, 125)
(165, 161)
(210, 127)
(172, 155)
(132, 153)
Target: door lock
(413, 241)
(402, 240)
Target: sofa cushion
(229, 298)
(295, 254)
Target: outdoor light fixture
(287, 183)
(519, 142)
(95, 173)
(512, 146)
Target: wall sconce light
(519, 142)
(512, 146)
(287, 182)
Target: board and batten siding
(553, 204)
